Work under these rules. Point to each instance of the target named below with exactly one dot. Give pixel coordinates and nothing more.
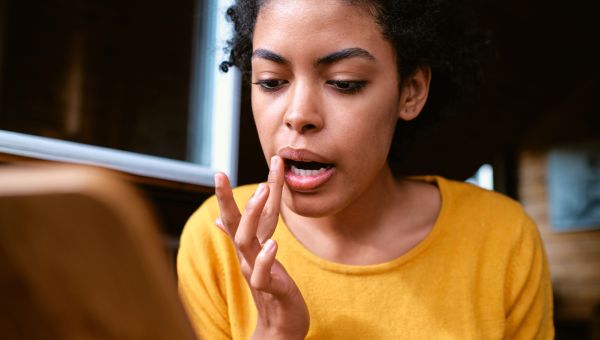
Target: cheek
(369, 128)
(372, 142)
(267, 120)
(264, 136)
(265, 108)
(259, 121)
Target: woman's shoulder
(465, 196)
(487, 212)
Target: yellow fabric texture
(481, 273)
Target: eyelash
(342, 86)
(268, 86)
(347, 86)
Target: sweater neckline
(376, 268)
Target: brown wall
(574, 256)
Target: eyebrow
(353, 52)
(268, 55)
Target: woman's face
(325, 98)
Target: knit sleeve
(200, 277)
(528, 289)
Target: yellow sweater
(480, 274)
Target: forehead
(316, 27)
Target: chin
(311, 204)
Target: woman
(361, 253)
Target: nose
(303, 112)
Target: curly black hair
(435, 33)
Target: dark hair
(434, 33)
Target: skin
(362, 215)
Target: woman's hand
(282, 312)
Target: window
(127, 84)
(484, 177)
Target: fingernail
(218, 180)
(268, 246)
(259, 190)
(274, 162)
(220, 225)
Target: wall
(574, 256)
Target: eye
(270, 85)
(347, 86)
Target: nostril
(301, 125)
(308, 127)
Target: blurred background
(134, 86)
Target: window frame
(218, 121)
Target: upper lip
(302, 155)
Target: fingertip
(222, 186)
(261, 275)
(260, 191)
(274, 161)
(218, 180)
(276, 171)
(267, 253)
(269, 246)
(219, 223)
(219, 184)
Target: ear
(414, 92)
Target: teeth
(302, 172)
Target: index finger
(270, 214)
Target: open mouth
(301, 168)
(305, 176)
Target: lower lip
(301, 183)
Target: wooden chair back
(81, 257)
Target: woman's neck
(377, 226)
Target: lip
(302, 155)
(305, 183)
